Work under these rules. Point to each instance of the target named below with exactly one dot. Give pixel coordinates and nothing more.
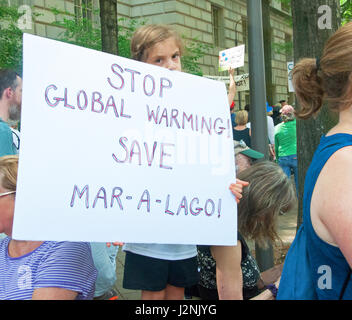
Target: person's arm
(271, 129)
(228, 271)
(276, 143)
(65, 271)
(53, 294)
(267, 294)
(332, 202)
(232, 87)
(272, 275)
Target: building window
(218, 29)
(289, 47)
(244, 31)
(83, 9)
(247, 99)
(285, 6)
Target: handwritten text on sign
(124, 151)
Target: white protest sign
(231, 58)
(118, 150)
(290, 66)
(242, 81)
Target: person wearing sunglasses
(39, 270)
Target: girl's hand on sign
(120, 244)
(236, 189)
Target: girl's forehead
(169, 44)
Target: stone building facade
(219, 23)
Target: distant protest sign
(290, 66)
(231, 58)
(242, 81)
(118, 150)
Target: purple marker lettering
(174, 114)
(189, 119)
(162, 86)
(162, 154)
(153, 115)
(133, 72)
(132, 152)
(79, 105)
(121, 111)
(94, 100)
(208, 127)
(221, 128)
(150, 159)
(197, 210)
(147, 200)
(212, 207)
(183, 205)
(167, 206)
(113, 68)
(80, 195)
(111, 103)
(117, 197)
(100, 197)
(148, 76)
(52, 86)
(65, 101)
(219, 208)
(164, 115)
(121, 141)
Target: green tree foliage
(10, 39)
(346, 11)
(84, 33)
(194, 50)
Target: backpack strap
(345, 284)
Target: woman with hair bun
(327, 202)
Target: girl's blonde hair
(269, 192)
(147, 36)
(328, 78)
(241, 117)
(8, 172)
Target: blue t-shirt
(67, 265)
(7, 146)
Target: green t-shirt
(6, 141)
(286, 139)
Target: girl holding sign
(161, 271)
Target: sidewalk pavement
(287, 232)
